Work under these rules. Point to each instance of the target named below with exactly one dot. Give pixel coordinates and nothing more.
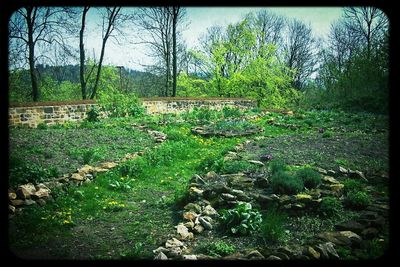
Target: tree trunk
(31, 57)
(82, 54)
(174, 22)
(96, 83)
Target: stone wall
(52, 114)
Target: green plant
(241, 220)
(22, 173)
(235, 166)
(276, 165)
(272, 227)
(42, 126)
(116, 104)
(327, 134)
(330, 206)
(93, 114)
(219, 249)
(352, 185)
(90, 155)
(285, 183)
(311, 178)
(122, 184)
(231, 112)
(357, 199)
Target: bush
(22, 174)
(277, 165)
(357, 200)
(326, 134)
(90, 155)
(235, 166)
(330, 206)
(310, 178)
(241, 220)
(219, 249)
(272, 227)
(231, 112)
(352, 185)
(116, 104)
(93, 114)
(285, 183)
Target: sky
(198, 19)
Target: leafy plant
(242, 220)
(352, 185)
(21, 173)
(90, 155)
(272, 227)
(123, 184)
(285, 183)
(330, 206)
(219, 249)
(235, 166)
(357, 199)
(231, 112)
(276, 165)
(327, 134)
(93, 114)
(310, 178)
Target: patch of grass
(236, 166)
(310, 177)
(327, 134)
(218, 249)
(330, 207)
(352, 185)
(276, 166)
(285, 183)
(357, 200)
(273, 226)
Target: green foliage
(219, 249)
(89, 155)
(277, 165)
(122, 184)
(284, 183)
(272, 227)
(93, 114)
(116, 104)
(352, 185)
(311, 178)
(327, 134)
(330, 206)
(231, 112)
(357, 200)
(242, 220)
(236, 166)
(231, 125)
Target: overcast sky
(199, 19)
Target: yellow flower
(66, 222)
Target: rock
(310, 251)
(254, 255)
(303, 197)
(205, 223)
(262, 182)
(341, 238)
(315, 193)
(108, 165)
(171, 243)
(29, 202)
(197, 179)
(190, 215)
(17, 202)
(25, 191)
(329, 179)
(41, 202)
(370, 233)
(273, 257)
(198, 228)
(327, 251)
(357, 175)
(86, 169)
(351, 225)
(240, 181)
(41, 193)
(161, 256)
(12, 196)
(228, 196)
(234, 256)
(322, 171)
(193, 207)
(331, 173)
(189, 224)
(210, 211)
(343, 170)
(183, 232)
(336, 187)
(11, 209)
(210, 176)
(282, 256)
(99, 169)
(77, 177)
(189, 257)
(256, 162)
(194, 191)
(266, 157)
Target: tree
(300, 51)
(32, 26)
(177, 15)
(82, 53)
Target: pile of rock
(28, 194)
(159, 137)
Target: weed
(357, 200)
(90, 155)
(123, 184)
(272, 227)
(242, 220)
(219, 249)
(310, 177)
(284, 183)
(330, 206)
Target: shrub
(357, 199)
(235, 166)
(310, 178)
(352, 185)
(277, 165)
(23, 174)
(272, 227)
(330, 206)
(93, 114)
(120, 105)
(326, 134)
(219, 249)
(285, 183)
(231, 112)
(90, 155)
(241, 220)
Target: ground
(83, 223)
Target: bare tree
(300, 51)
(82, 53)
(30, 26)
(177, 15)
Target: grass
(131, 210)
